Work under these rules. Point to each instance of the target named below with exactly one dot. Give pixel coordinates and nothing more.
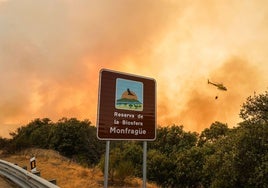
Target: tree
(121, 165)
(189, 167)
(240, 154)
(124, 169)
(172, 139)
(251, 155)
(255, 109)
(34, 134)
(77, 140)
(3, 143)
(261, 173)
(218, 168)
(133, 153)
(210, 135)
(41, 129)
(252, 141)
(238, 159)
(160, 168)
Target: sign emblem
(129, 95)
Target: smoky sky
(207, 104)
(51, 53)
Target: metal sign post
(106, 165)
(144, 163)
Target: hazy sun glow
(51, 53)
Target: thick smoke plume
(207, 104)
(51, 53)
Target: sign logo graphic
(129, 95)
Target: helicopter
(219, 86)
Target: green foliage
(212, 134)
(133, 152)
(239, 159)
(255, 109)
(172, 139)
(252, 141)
(261, 173)
(218, 168)
(3, 142)
(252, 149)
(161, 157)
(35, 134)
(77, 140)
(218, 157)
(160, 168)
(123, 162)
(72, 138)
(67, 136)
(163, 153)
(189, 166)
(114, 161)
(124, 169)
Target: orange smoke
(203, 108)
(51, 53)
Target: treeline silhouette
(217, 157)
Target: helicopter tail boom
(212, 83)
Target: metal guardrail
(22, 177)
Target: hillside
(67, 173)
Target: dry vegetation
(68, 174)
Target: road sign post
(126, 111)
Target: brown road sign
(126, 107)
